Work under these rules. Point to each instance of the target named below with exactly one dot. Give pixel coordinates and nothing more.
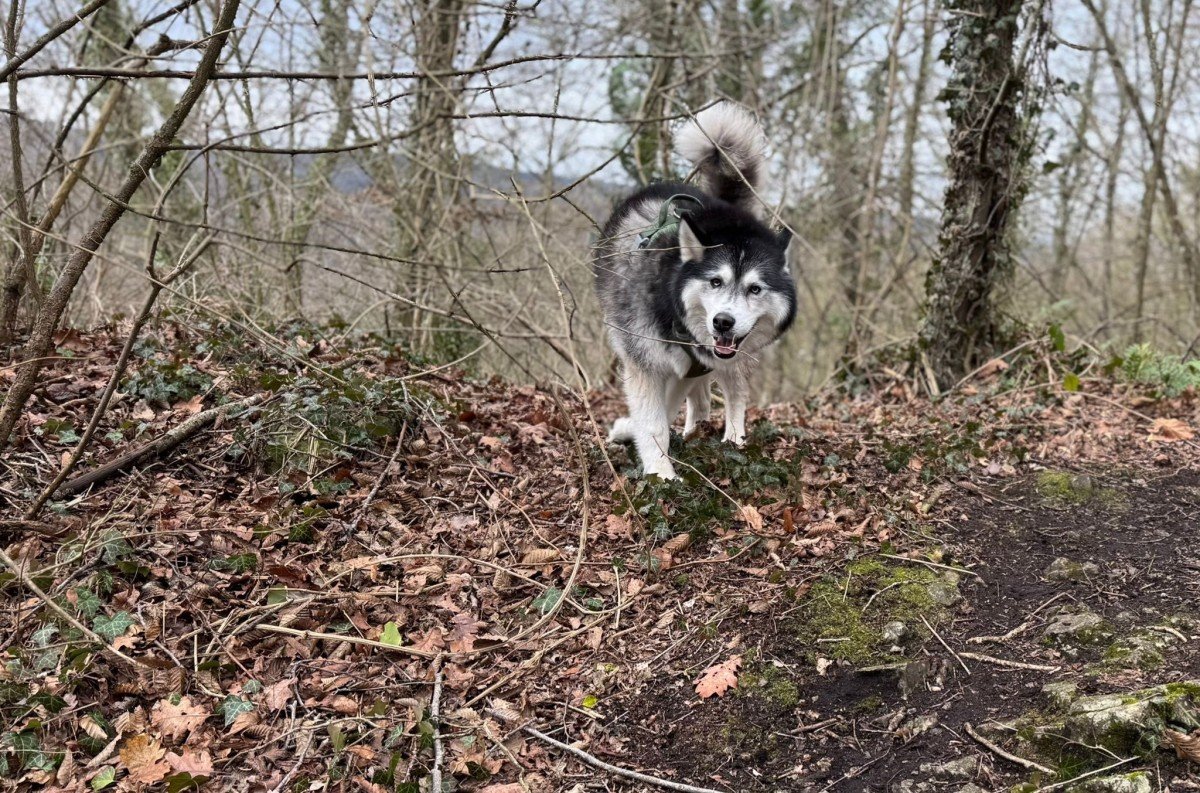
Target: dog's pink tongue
(724, 347)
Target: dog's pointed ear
(690, 247)
(785, 241)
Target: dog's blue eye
(716, 283)
(754, 290)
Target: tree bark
(960, 324)
(41, 340)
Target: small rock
(913, 786)
(1074, 629)
(1133, 722)
(1137, 782)
(942, 592)
(1063, 569)
(962, 768)
(1125, 619)
(895, 632)
(1140, 651)
(916, 726)
(1060, 695)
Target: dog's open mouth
(725, 346)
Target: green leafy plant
(1168, 374)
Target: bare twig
(435, 715)
(942, 641)
(963, 570)
(1013, 664)
(612, 769)
(1012, 758)
(161, 445)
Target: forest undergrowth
(373, 572)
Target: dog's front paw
(663, 470)
(738, 439)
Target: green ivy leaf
(106, 777)
(232, 707)
(114, 626)
(591, 701)
(390, 635)
(548, 599)
(184, 781)
(87, 602)
(1071, 382)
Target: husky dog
(693, 285)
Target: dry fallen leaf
(719, 678)
(178, 720)
(278, 695)
(679, 542)
(194, 763)
(142, 754)
(749, 515)
(1186, 746)
(89, 725)
(992, 367)
(539, 556)
(1169, 430)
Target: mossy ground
(843, 618)
(1063, 489)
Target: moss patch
(836, 621)
(771, 684)
(1064, 489)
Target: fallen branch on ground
(1012, 758)
(612, 769)
(1012, 664)
(159, 446)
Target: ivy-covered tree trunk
(960, 326)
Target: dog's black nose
(723, 323)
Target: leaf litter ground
(295, 580)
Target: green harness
(667, 221)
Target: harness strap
(667, 221)
(680, 335)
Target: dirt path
(1092, 578)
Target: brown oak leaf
(142, 755)
(719, 678)
(177, 721)
(194, 763)
(1169, 430)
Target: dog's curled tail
(728, 148)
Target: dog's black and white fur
(697, 302)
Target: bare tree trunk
(960, 325)
(912, 123)
(17, 275)
(41, 340)
(1154, 130)
(434, 162)
(338, 54)
(1113, 163)
(1071, 176)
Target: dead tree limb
(16, 59)
(42, 338)
(156, 287)
(159, 446)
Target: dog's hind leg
(699, 405)
(650, 421)
(735, 387)
(621, 432)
